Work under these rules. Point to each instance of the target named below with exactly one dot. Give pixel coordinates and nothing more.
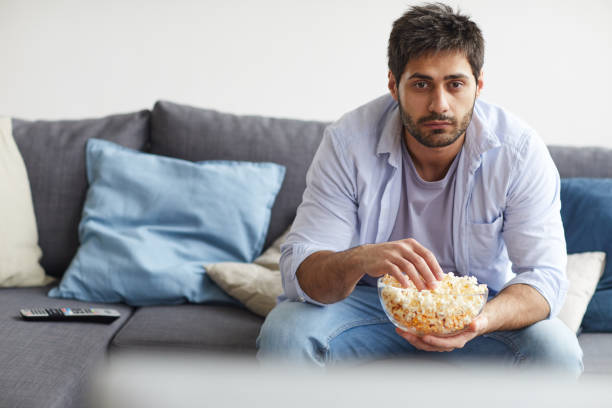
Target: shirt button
(301, 299)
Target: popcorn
(447, 309)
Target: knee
(556, 348)
(285, 337)
(276, 336)
(564, 356)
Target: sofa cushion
(190, 327)
(150, 223)
(597, 357)
(54, 155)
(587, 221)
(575, 161)
(201, 134)
(47, 363)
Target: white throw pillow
(583, 272)
(19, 250)
(257, 284)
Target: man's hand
(405, 260)
(328, 277)
(430, 342)
(513, 308)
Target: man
(426, 180)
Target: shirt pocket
(485, 243)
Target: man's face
(436, 95)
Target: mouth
(437, 124)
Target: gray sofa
(47, 364)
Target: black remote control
(66, 314)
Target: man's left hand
(431, 342)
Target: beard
(436, 137)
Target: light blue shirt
(506, 222)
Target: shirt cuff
(292, 257)
(551, 289)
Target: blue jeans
(356, 330)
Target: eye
(456, 85)
(420, 84)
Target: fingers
(450, 342)
(419, 271)
(419, 264)
(479, 325)
(397, 272)
(428, 258)
(430, 342)
(406, 260)
(408, 271)
(420, 343)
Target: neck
(432, 163)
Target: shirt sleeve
(533, 230)
(327, 217)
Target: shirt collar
(479, 137)
(390, 141)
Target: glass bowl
(444, 311)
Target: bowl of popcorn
(444, 311)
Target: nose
(438, 103)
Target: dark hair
(432, 28)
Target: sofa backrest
(573, 161)
(54, 155)
(201, 134)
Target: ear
(480, 83)
(392, 85)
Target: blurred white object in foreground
(185, 380)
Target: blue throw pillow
(586, 210)
(150, 222)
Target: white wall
(548, 61)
